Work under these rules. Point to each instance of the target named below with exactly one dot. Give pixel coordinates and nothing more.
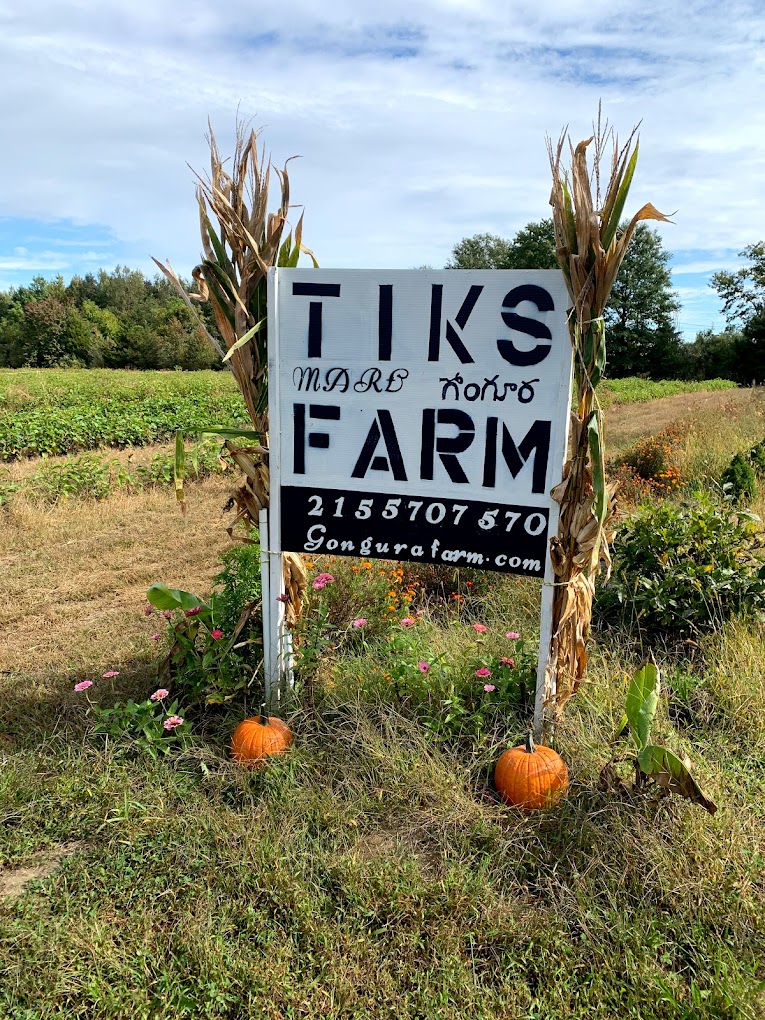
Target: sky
(417, 123)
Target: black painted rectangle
(451, 531)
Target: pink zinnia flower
(512, 636)
(507, 662)
(480, 627)
(483, 673)
(489, 688)
(155, 637)
(322, 581)
(148, 609)
(167, 613)
(423, 666)
(83, 685)
(173, 721)
(216, 634)
(282, 598)
(110, 674)
(407, 622)
(194, 611)
(160, 694)
(361, 622)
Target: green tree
(750, 351)
(533, 247)
(641, 337)
(743, 292)
(713, 355)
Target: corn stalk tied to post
(241, 241)
(590, 245)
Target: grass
(371, 873)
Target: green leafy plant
(69, 411)
(655, 763)
(203, 661)
(739, 479)
(82, 477)
(682, 567)
(153, 726)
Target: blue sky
(418, 124)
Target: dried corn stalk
(590, 247)
(241, 241)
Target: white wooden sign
(419, 415)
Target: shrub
(739, 479)
(654, 459)
(756, 457)
(680, 568)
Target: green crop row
(26, 388)
(94, 476)
(634, 390)
(59, 411)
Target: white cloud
(418, 124)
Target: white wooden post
(268, 605)
(547, 684)
(543, 696)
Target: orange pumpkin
(256, 739)
(531, 777)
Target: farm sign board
(418, 415)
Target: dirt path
(626, 423)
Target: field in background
(57, 411)
(371, 874)
(54, 411)
(631, 391)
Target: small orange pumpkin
(257, 738)
(531, 777)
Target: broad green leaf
(570, 220)
(595, 350)
(642, 701)
(666, 769)
(245, 339)
(614, 214)
(595, 443)
(232, 433)
(621, 727)
(162, 597)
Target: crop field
(631, 391)
(371, 872)
(55, 411)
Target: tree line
(116, 319)
(641, 336)
(121, 319)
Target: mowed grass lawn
(371, 872)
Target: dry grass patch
(13, 881)
(74, 576)
(626, 423)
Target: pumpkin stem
(263, 718)
(530, 746)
